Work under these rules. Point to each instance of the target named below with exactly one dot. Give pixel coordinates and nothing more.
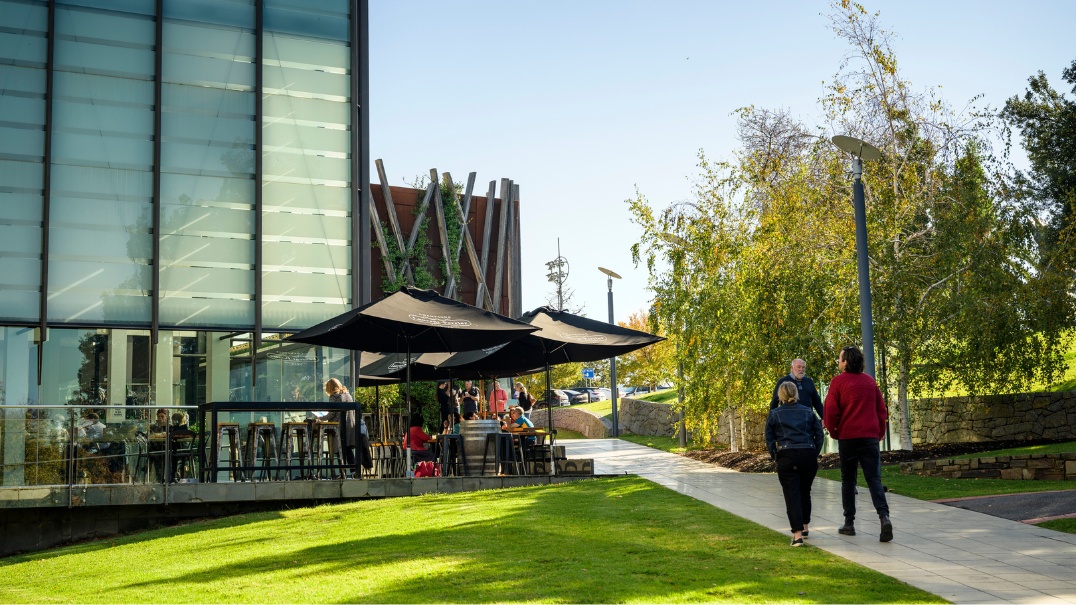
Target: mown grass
(939, 488)
(667, 444)
(1049, 448)
(623, 540)
(1066, 525)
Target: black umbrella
(562, 338)
(414, 321)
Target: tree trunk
(899, 418)
(732, 431)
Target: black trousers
(861, 452)
(796, 469)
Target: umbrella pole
(549, 409)
(407, 437)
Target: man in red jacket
(855, 416)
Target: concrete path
(960, 555)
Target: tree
(765, 267)
(650, 365)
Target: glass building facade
(182, 183)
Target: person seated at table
(159, 427)
(452, 425)
(518, 422)
(471, 416)
(416, 440)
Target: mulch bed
(759, 461)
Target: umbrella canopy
(419, 321)
(561, 338)
(414, 321)
(392, 367)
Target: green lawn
(622, 540)
(1049, 448)
(1066, 525)
(938, 488)
(668, 444)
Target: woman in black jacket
(794, 437)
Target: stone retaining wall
(648, 418)
(1053, 467)
(1017, 416)
(574, 419)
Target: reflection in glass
(22, 154)
(100, 254)
(306, 163)
(207, 165)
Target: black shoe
(805, 533)
(887, 529)
(847, 529)
(797, 541)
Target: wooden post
(394, 222)
(442, 227)
(502, 238)
(490, 206)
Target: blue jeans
(862, 452)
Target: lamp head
(860, 149)
(609, 272)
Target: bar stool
(326, 448)
(231, 431)
(502, 442)
(452, 454)
(295, 441)
(264, 434)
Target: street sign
(588, 373)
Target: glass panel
(207, 166)
(22, 153)
(319, 18)
(102, 180)
(307, 164)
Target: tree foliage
(761, 267)
(650, 365)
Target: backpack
(427, 469)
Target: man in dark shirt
(471, 398)
(808, 393)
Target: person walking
(855, 416)
(447, 400)
(525, 399)
(794, 439)
(808, 394)
(498, 399)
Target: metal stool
(265, 433)
(230, 430)
(502, 442)
(327, 449)
(295, 440)
(451, 452)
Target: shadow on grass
(612, 540)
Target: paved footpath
(960, 555)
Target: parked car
(577, 396)
(604, 394)
(556, 397)
(594, 393)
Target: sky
(584, 102)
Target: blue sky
(580, 102)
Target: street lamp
(679, 242)
(612, 360)
(861, 150)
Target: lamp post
(860, 151)
(612, 360)
(679, 242)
